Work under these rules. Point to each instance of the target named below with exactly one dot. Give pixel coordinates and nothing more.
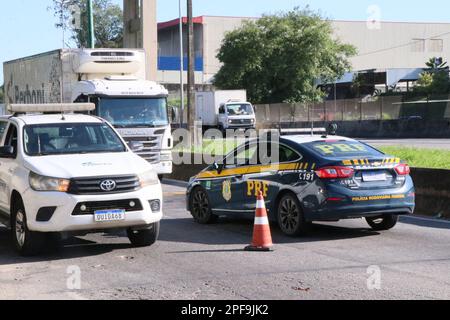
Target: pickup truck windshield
(70, 138)
(134, 112)
(241, 109)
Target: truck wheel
(382, 223)
(26, 242)
(146, 237)
(290, 216)
(200, 207)
(223, 131)
(160, 177)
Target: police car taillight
(335, 172)
(402, 169)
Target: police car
(72, 173)
(315, 178)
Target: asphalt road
(191, 261)
(443, 144)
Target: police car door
(228, 190)
(268, 178)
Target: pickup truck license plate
(373, 176)
(109, 215)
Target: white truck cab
(224, 109)
(236, 115)
(73, 173)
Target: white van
(72, 173)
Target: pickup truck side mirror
(7, 152)
(136, 146)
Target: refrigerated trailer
(113, 79)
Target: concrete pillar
(141, 31)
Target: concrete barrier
(408, 128)
(432, 188)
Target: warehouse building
(397, 49)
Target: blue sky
(27, 26)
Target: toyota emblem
(108, 185)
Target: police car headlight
(43, 183)
(148, 178)
(230, 121)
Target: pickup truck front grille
(129, 205)
(92, 185)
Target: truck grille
(91, 185)
(91, 207)
(152, 147)
(241, 121)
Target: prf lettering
(254, 187)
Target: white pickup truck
(72, 173)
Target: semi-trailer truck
(113, 79)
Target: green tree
(279, 58)
(2, 94)
(435, 79)
(108, 22)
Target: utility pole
(90, 13)
(191, 71)
(181, 65)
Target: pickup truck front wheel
(144, 238)
(26, 242)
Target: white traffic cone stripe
(260, 204)
(259, 221)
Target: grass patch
(421, 157)
(216, 147)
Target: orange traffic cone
(262, 239)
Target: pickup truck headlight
(148, 178)
(43, 183)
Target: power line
(401, 46)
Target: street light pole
(181, 65)
(191, 71)
(90, 14)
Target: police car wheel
(200, 207)
(383, 222)
(290, 216)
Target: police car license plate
(109, 215)
(373, 176)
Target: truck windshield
(241, 109)
(132, 113)
(70, 138)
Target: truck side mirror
(173, 114)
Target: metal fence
(383, 108)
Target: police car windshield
(342, 149)
(70, 138)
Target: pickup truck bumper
(67, 216)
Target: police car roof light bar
(295, 131)
(50, 108)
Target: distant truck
(113, 79)
(224, 109)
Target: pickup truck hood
(87, 165)
(241, 117)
